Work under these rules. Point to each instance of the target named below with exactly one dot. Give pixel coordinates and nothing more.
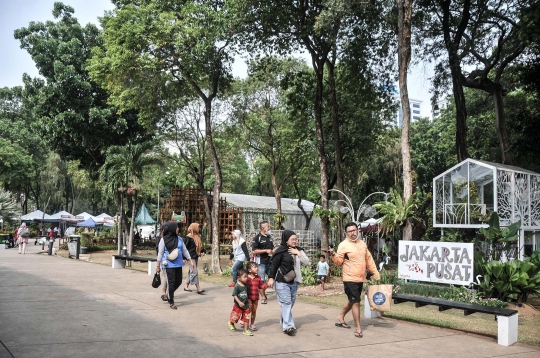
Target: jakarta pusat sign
(443, 262)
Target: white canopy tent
(37, 215)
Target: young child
(240, 310)
(254, 284)
(322, 270)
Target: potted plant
(86, 238)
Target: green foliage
(394, 212)
(513, 280)
(96, 248)
(9, 210)
(309, 276)
(500, 241)
(387, 278)
(462, 294)
(227, 271)
(336, 271)
(72, 111)
(86, 239)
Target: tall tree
(133, 160)
(155, 52)
(260, 111)
(404, 59)
(71, 110)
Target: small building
(258, 208)
(464, 195)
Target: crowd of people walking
(278, 268)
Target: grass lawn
(478, 323)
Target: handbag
(156, 282)
(173, 255)
(289, 276)
(380, 297)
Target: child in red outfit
(254, 284)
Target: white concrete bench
(119, 261)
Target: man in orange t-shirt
(354, 256)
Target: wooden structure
(190, 201)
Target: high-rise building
(416, 110)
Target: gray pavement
(56, 307)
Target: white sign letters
(443, 262)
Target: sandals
(264, 301)
(164, 298)
(187, 290)
(173, 306)
(358, 334)
(343, 325)
(290, 331)
(248, 333)
(201, 292)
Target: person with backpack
(24, 234)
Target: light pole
(349, 205)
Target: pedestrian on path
(23, 234)
(355, 257)
(239, 252)
(241, 309)
(254, 284)
(286, 264)
(263, 248)
(171, 254)
(193, 244)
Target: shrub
(227, 271)
(309, 276)
(94, 248)
(336, 271)
(86, 239)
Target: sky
(14, 61)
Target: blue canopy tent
(88, 223)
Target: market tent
(88, 223)
(370, 225)
(58, 217)
(143, 217)
(35, 215)
(85, 215)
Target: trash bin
(74, 246)
(51, 243)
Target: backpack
(25, 232)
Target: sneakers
(248, 333)
(232, 327)
(253, 328)
(232, 284)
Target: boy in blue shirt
(322, 270)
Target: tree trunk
(335, 127)
(216, 266)
(131, 227)
(277, 194)
(404, 58)
(461, 114)
(318, 66)
(500, 123)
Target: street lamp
(349, 206)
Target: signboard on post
(442, 262)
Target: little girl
(254, 284)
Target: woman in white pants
(23, 234)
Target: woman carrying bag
(286, 276)
(171, 255)
(239, 254)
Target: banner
(442, 262)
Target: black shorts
(353, 290)
(321, 277)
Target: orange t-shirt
(358, 259)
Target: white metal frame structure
(474, 188)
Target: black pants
(174, 280)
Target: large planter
(84, 250)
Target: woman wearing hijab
(286, 276)
(193, 244)
(171, 255)
(239, 253)
(22, 237)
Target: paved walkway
(56, 307)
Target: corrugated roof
(288, 205)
